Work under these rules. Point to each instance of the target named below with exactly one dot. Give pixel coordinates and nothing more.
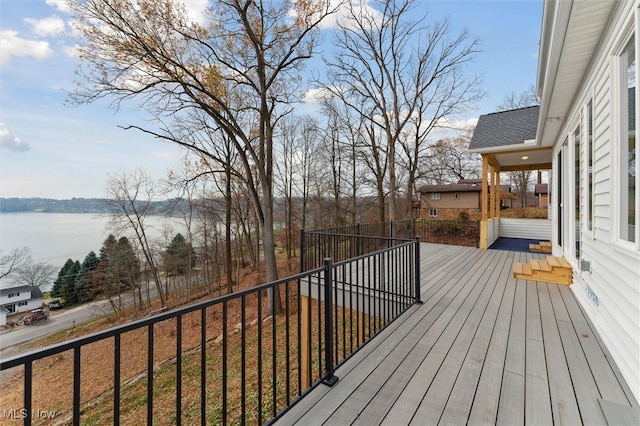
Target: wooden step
(551, 270)
(540, 265)
(541, 247)
(558, 262)
(521, 269)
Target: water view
(56, 237)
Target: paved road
(58, 321)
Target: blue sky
(49, 149)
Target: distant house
(3, 316)
(449, 200)
(20, 299)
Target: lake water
(56, 237)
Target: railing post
(417, 271)
(330, 379)
(358, 248)
(413, 227)
(302, 267)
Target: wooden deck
(483, 348)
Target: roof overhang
(571, 33)
(520, 156)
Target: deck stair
(541, 247)
(552, 269)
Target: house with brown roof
(447, 201)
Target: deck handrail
(328, 313)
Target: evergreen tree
(178, 256)
(69, 284)
(58, 284)
(108, 248)
(85, 281)
(127, 265)
(102, 276)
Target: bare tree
(240, 70)
(448, 161)
(14, 260)
(523, 99)
(344, 143)
(35, 274)
(300, 158)
(132, 197)
(389, 66)
(520, 180)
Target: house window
(628, 165)
(456, 195)
(22, 303)
(13, 295)
(434, 196)
(433, 212)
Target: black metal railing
(350, 241)
(222, 361)
(448, 231)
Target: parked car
(55, 304)
(36, 315)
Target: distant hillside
(47, 205)
(90, 205)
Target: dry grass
(53, 376)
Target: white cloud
(197, 10)
(60, 5)
(14, 45)
(11, 142)
(316, 96)
(342, 16)
(51, 26)
(448, 124)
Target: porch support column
(492, 210)
(485, 187)
(483, 243)
(498, 193)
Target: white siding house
(586, 134)
(20, 299)
(3, 316)
(587, 77)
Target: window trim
(620, 85)
(433, 212)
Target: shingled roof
(505, 128)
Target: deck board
(564, 407)
(462, 395)
(483, 348)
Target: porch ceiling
(521, 158)
(571, 34)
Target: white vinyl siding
(614, 275)
(535, 229)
